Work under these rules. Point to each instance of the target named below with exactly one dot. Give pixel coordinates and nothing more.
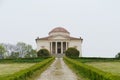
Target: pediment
(59, 37)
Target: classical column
(66, 45)
(80, 55)
(51, 48)
(56, 47)
(62, 47)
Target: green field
(23, 69)
(111, 67)
(10, 68)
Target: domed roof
(59, 29)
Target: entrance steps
(58, 55)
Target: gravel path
(58, 71)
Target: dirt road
(58, 71)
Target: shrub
(43, 53)
(72, 52)
(118, 55)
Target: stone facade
(58, 41)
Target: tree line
(23, 50)
(20, 50)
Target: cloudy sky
(96, 21)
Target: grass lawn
(10, 68)
(112, 67)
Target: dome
(59, 29)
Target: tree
(118, 55)
(9, 49)
(21, 49)
(33, 53)
(14, 55)
(43, 53)
(2, 51)
(72, 52)
(26, 50)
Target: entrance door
(59, 50)
(59, 47)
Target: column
(62, 47)
(51, 48)
(56, 47)
(80, 55)
(66, 45)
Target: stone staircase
(58, 55)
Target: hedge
(94, 59)
(89, 71)
(26, 73)
(23, 60)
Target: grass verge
(89, 71)
(111, 67)
(29, 72)
(79, 74)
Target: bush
(43, 53)
(72, 52)
(118, 55)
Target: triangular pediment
(59, 37)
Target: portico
(58, 47)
